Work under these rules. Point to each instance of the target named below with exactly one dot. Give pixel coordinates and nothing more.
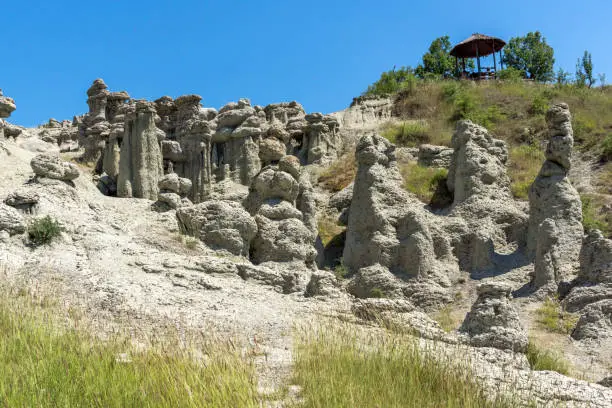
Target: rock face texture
(482, 197)
(321, 138)
(220, 225)
(493, 321)
(11, 220)
(282, 204)
(435, 156)
(101, 129)
(141, 159)
(555, 210)
(7, 106)
(173, 191)
(50, 166)
(388, 226)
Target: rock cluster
(52, 167)
(493, 321)
(173, 191)
(7, 106)
(555, 210)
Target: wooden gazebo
(476, 46)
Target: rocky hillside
(256, 219)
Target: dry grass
(49, 359)
(340, 174)
(341, 366)
(524, 164)
(328, 228)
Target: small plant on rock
(341, 271)
(554, 319)
(43, 231)
(377, 293)
(191, 242)
(541, 360)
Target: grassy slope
(514, 112)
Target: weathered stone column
(141, 160)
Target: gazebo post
(494, 61)
(478, 60)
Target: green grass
(340, 367)
(541, 360)
(341, 271)
(42, 231)
(422, 181)
(523, 167)
(328, 228)
(445, 319)
(553, 318)
(592, 215)
(45, 363)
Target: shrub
(341, 271)
(539, 105)
(377, 293)
(340, 174)
(410, 134)
(42, 231)
(553, 318)
(510, 74)
(191, 242)
(422, 181)
(541, 360)
(393, 81)
(606, 148)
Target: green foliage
(541, 360)
(606, 148)
(523, 167)
(511, 74)
(584, 70)
(531, 55)
(377, 293)
(422, 181)
(590, 218)
(407, 133)
(553, 318)
(341, 367)
(562, 77)
(341, 271)
(445, 319)
(43, 231)
(46, 363)
(191, 242)
(539, 105)
(393, 81)
(437, 62)
(465, 105)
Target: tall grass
(523, 167)
(44, 363)
(340, 367)
(552, 317)
(422, 181)
(545, 359)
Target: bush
(510, 75)
(539, 105)
(553, 318)
(43, 231)
(541, 360)
(422, 181)
(341, 271)
(393, 81)
(410, 134)
(606, 148)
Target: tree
(562, 77)
(437, 60)
(584, 70)
(531, 55)
(393, 81)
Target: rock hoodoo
(141, 161)
(7, 106)
(493, 321)
(50, 166)
(555, 210)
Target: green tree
(562, 77)
(584, 70)
(393, 81)
(437, 61)
(531, 55)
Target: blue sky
(320, 53)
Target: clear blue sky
(320, 53)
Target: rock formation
(101, 128)
(482, 197)
(282, 204)
(141, 160)
(220, 225)
(435, 156)
(555, 210)
(321, 138)
(493, 321)
(173, 191)
(11, 220)
(7, 106)
(51, 166)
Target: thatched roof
(477, 44)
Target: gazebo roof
(477, 45)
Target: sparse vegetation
(341, 271)
(540, 359)
(338, 366)
(47, 363)
(553, 318)
(377, 293)
(524, 164)
(422, 181)
(409, 134)
(328, 228)
(340, 174)
(445, 319)
(42, 231)
(592, 215)
(191, 242)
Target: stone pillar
(141, 164)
